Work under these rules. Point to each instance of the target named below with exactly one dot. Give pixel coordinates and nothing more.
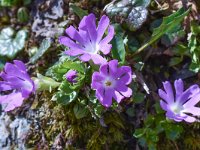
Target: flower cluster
(86, 43)
(16, 80)
(180, 106)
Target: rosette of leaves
(11, 43)
(67, 92)
(132, 12)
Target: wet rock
(132, 12)
(13, 132)
(4, 131)
(46, 17)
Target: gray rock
(45, 23)
(133, 12)
(13, 133)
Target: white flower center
(176, 108)
(92, 47)
(109, 83)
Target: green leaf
(158, 109)
(118, 47)
(139, 133)
(78, 11)
(143, 3)
(65, 87)
(152, 135)
(194, 46)
(132, 44)
(2, 63)
(130, 112)
(195, 67)
(8, 2)
(74, 66)
(45, 45)
(45, 83)
(80, 111)
(10, 45)
(173, 131)
(26, 2)
(63, 98)
(167, 25)
(22, 14)
(175, 60)
(149, 120)
(138, 98)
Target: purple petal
(69, 43)
(26, 92)
(178, 84)
(105, 96)
(85, 57)
(178, 119)
(113, 67)
(74, 52)
(105, 48)
(124, 90)
(91, 27)
(71, 76)
(104, 69)
(11, 101)
(127, 93)
(103, 24)
(163, 95)
(5, 86)
(170, 114)
(82, 24)
(12, 70)
(73, 33)
(190, 119)
(169, 91)
(85, 36)
(20, 65)
(98, 59)
(189, 93)
(164, 106)
(124, 74)
(118, 97)
(193, 101)
(25, 86)
(97, 79)
(193, 110)
(109, 36)
(175, 117)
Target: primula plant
(98, 75)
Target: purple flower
(111, 82)
(180, 106)
(15, 80)
(88, 41)
(71, 76)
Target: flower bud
(71, 76)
